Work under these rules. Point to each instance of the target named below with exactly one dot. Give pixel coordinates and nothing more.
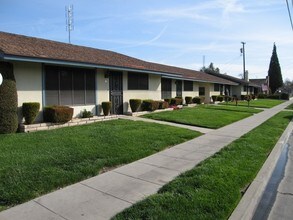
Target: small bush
(168, 100)
(58, 114)
(188, 99)
(163, 105)
(150, 105)
(284, 96)
(86, 114)
(106, 106)
(273, 96)
(134, 104)
(242, 97)
(253, 96)
(228, 98)
(179, 99)
(196, 100)
(30, 111)
(202, 99)
(220, 98)
(214, 98)
(176, 101)
(262, 96)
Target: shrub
(253, 96)
(242, 97)
(273, 96)
(168, 100)
(188, 99)
(220, 98)
(86, 114)
(163, 105)
(179, 100)
(196, 100)
(106, 106)
(150, 105)
(228, 98)
(284, 96)
(30, 111)
(134, 104)
(58, 114)
(214, 98)
(261, 96)
(202, 98)
(8, 100)
(176, 101)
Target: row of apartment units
(54, 73)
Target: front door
(166, 88)
(178, 88)
(116, 92)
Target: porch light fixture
(1, 79)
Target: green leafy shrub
(8, 100)
(228, 98)
(86, 114)
(163, 105)
(196, 100)
(106, 106)
(168, 100)
(30, 111)
(253, 96)
(58, 114)
(284, 96)
(242, 97)
(202, 99)
(220, 98)
(273, 96)
(214, 98)
(176, 101)
(179, 99)
(262, 96)
(188, 99)
(134, 104)
(150, 105)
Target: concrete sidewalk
(103, 196)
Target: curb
(248, 203)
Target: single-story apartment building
(55, 73)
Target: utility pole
(245, 75)
(69, 20)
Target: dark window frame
(87, 94)
(188, 86)
(217, 87)
(201, 91)
(138, 81)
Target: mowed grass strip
(36, 163)
(259, 103)
(290, 107)
(207, 116)
(212, 189)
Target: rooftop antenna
(69, 20)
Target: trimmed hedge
(86, 114)
(106, 106)
(262, 96)
(214, 98)
(30, 111)
(8, 100)
(284, 96)
(168, 100)
(196, 100)
(58, 114)
(150, 105)
(134, 104)
(220, 98)
(163, 105)
(176, 101)
(188, 99)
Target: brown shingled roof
(31, 47)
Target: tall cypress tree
(275, 74)
(8, 100)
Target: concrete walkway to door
(103, 196)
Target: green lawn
(212, 189)
(209, 116)
(36, 163)
(290, 107)
(259, 103)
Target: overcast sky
(173, 32)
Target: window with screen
(188, 86)
(138, 81)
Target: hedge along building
(54, 73)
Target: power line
(289, 13)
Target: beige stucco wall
(207, 91)
(28, 78)
(154, 91)
(102, 90)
